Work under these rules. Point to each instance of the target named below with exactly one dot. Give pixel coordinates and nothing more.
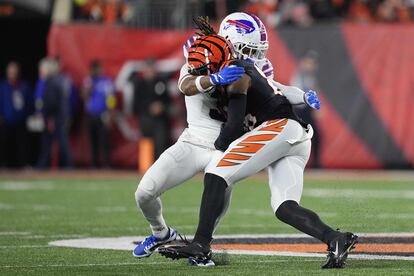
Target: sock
(161, 231)
(305, 220)
(151, 208)
(212, 204)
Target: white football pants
(282, 146)
(176, 165)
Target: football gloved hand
(227, 75)
(311, 99)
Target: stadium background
(365, 71)
(366, 84)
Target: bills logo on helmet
(242, 26)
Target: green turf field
(35, 212)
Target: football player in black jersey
(280, 143)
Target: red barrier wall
(382, 56)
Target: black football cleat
(194, 251)
(339, 249)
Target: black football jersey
(264, 101)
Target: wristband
(198, 85)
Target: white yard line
(126, 243)
(24, 246)
(26, 185)
(12, 233)
(299, 254)
(76, 265)
(138, 263)
(236, 252)
(357, 193)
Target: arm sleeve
(233, 128)
(292, 93)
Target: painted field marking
(76, 265)
(320, 255)
(357, 193)
(12, 233)
(26, 185)
(137, 263)
(24, 246)
(126, 243)
(316, 248)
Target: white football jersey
(202, 129)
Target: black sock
(305, 220)
(212, 204)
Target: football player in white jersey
(195, 147)
(279, 142)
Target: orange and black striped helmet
(208, 53)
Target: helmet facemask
(249, 52)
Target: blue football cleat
(151, 243)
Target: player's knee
(213, 179)
(285, 209)
(145, 192)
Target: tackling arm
(296, 95)
(191, 85)
(187, 85)
(292, 93)
(233, 128)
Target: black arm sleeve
(233, 129)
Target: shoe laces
(149, 241)
(183, 238)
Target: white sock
(152, 211)
(160, 231)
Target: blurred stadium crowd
(273, 12)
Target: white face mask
(249, 52)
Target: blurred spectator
(305, 78)
(265, 10)
(151, 104)
(40, 85)
(66, 80)
(393, 11)
(361, 11)
(296, 13)
(54, 104)
(15, 105)
(98, 93)
(322, 9)
(340, 7)
(107, 11)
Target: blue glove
(311, 99)
(227, 75)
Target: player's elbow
(239, 86)
(188, 87)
